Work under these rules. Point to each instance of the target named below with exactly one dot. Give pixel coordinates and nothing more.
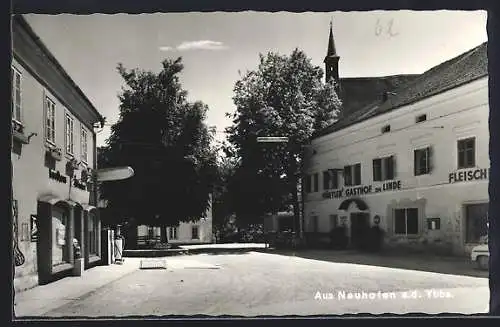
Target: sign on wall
(362, 189)
(467, 175)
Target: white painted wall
(463, 112)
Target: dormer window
(386, 129)
(421, 118)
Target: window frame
(354, 173)
(464, 152)
(420, 118)
(467, 217)
(406, 210)
(315, 182)
(71, 119)
(173, 235)
(416, 161)
(386, 174)
(50, 108)
(14, 74)
(197, 232)
(84, 144)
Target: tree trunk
(163, 234)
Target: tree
(284, 96)
(164, 138)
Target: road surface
(253, 284)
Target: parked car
(480, 255)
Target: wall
(462, 112)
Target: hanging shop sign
(362, 189)
(467, 175)
(79, 184)
(57, 176)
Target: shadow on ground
(419, 262)
(227, 251)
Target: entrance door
(359, 225)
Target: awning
(359, 203)
(50, 198)
(53, 199)
(88, 207)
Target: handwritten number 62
(387, 28)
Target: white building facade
(53, 156)
(419, 170)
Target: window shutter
(390, 167)
(326, 180)
(335, 178)
(347, 175)
(430, 159)
(415, 162)
(375, 170)
(357, 174)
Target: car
(480, 255)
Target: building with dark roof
(409, 156)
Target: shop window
(383, 169)
(172, 233)
(93, 230)
(476, 222)
(406, 221)
(422, 161)
(195, 233)
(352, 175)
(466, 151)
(60, 236)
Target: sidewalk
(44, 298)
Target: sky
(215, 46)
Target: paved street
(254, 283)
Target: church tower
(332, 61)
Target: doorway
(360, 223)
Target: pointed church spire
(332, 61)
(332, 52)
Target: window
(84, 145)
(421, 118)
(406, 221)
(308, 184)
(422, 161)
(433, 223)
(330, 179)
(195, 233)
(69, 130)
(316, 182)
(15, 77)
(386, 129)
(60, 235)
(172, 233)
(352, 175)
(476, 222)
(50, 121)
(383, 169)
(466, 150)
(93, 230)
